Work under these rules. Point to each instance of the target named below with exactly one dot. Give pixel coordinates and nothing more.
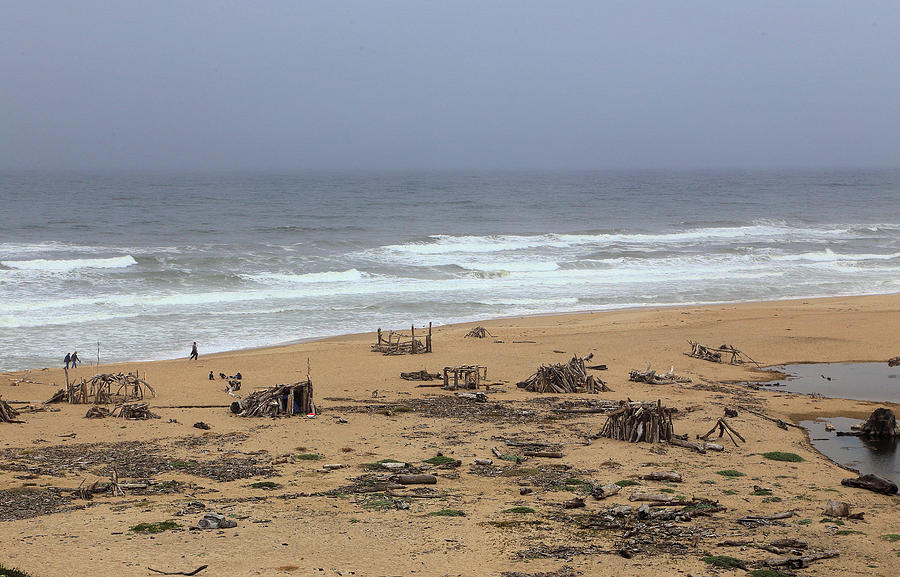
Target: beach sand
(298, 529)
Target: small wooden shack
(464, 376)
(277, 401)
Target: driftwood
(756, 520)
(99, 389)
(719, 354)
(605, 491)
(724, 427)
(699, 447)
(7, 413)
(797, 562)
(670, 476)
(133, 411)
(280, 400)
(636, 421)
(546, 454)
(97, 412)
(194, 572)
(58, 397)
(416, 479)
(397, 343)
(894, 362)
(881, 424)
(872, 483)
(568, 378)
(422, 375)
(479, 333)
(651, 377)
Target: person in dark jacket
(68, 360)
(75, 359)
(194, 351)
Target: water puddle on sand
(860, 381)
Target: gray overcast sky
(291, 85)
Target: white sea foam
(350, 275)
(65, 265)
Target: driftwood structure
(134, 411)
(724, 427)
(651, 377)
(99, 390)
(8, 414)
(422, 375)
(277, 401)
(479, 333)
(398, 343)
(719, 354)
(635, 422)
(571, 377)
(464, 377)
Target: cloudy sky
(291, 85)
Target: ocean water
(146, 264)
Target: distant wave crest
(65, 265)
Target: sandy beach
(310, 522)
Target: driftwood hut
(277, 401)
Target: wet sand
(310, 519)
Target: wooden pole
(413, 333)
(428, 339)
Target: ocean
(145, 264)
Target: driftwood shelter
(464, 376)
(399, 343)
(278, 401)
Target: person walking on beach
(68, 360)
(75, 359)
(194, 351)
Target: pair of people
(73, 359)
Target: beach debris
(757, 520)
(194, 572)
(799, 562)
(99, 389)
(96, 412)
(669, 476)
(639, 421)
(718, 354)
(398, 343)
(26, 378)
(872, 482)
(568, 378)
(280, 400)
(58, 397)
(731, 412)
(215, 521)
(415, 479)
(894, 362)
(575, 503)
(724, 427)
(837, 509)
(881, 424)
(651, 377)
(479, 333)
(422, 375)
(605, 491)
(7, 413)
(133, 411)
(202, 425)
(464, 376)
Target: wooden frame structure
(464, 376)
(398, 343)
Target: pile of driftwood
(651, 377)
(422, 375)
(479, 333)
(7, 413)
(131, 411)
(571, 377)
(719, 354)
(639, 421)
(397, 343)
(99, 390)
(287, 400)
